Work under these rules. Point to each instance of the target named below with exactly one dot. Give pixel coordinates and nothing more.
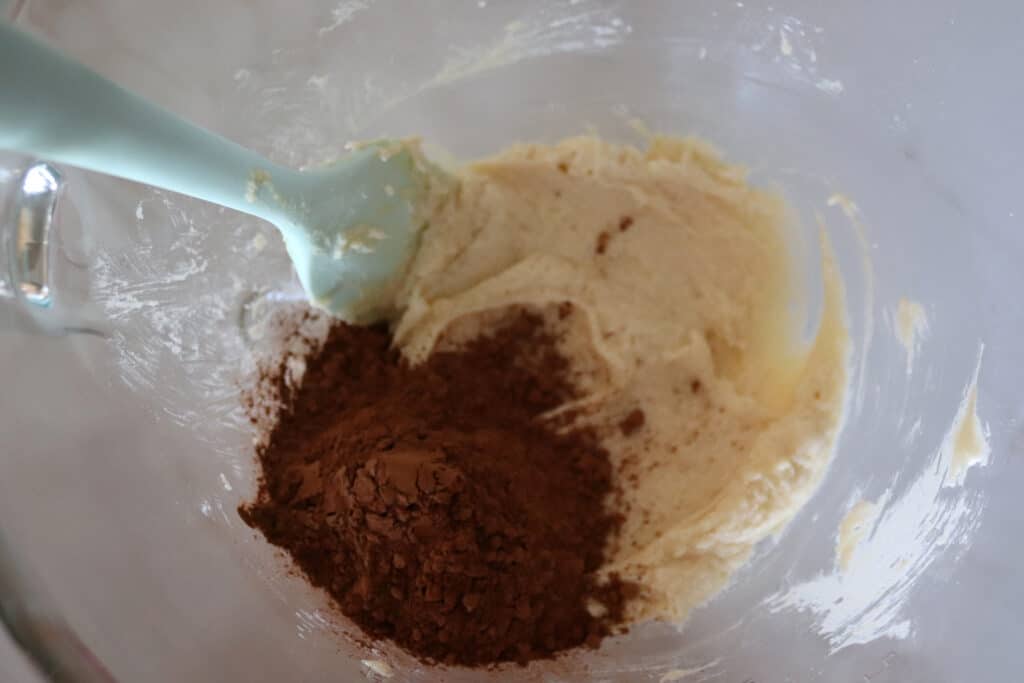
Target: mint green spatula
(350, 228)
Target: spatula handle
(59, 110)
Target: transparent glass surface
(125, 452)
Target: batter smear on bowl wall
(590, 404)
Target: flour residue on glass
(967, 443)
(910, 323)
(558, 27)
(883, 547)
(675, 675)
(791, 43)
(342, 13)
(172, 295)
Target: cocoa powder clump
(435, 504)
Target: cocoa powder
(435, 504)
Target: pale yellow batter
(681, 285)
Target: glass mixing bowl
(129, 314)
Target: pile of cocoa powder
(434, 503)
